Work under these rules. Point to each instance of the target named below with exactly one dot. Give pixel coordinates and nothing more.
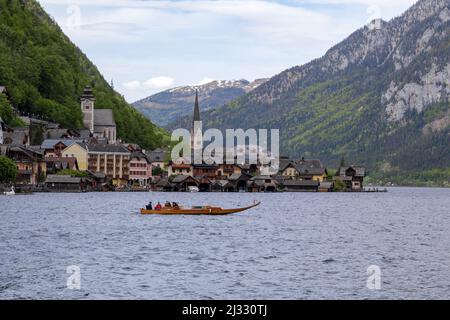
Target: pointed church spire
(196, 108)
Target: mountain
(175, 104)
(45, 73)
(379, 98)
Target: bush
(8, 170)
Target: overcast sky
(149, 46)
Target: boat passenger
(158, 206)
(175, 205)
(150, 206)
(168, 205)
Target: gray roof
(53, 178)
(181, 178)
(107, 148)
(104, 118)
(85, 133)
(50, 143)
(239, 176)
(56, 133)
(139, 155)
(307, 166)
(157, 155)
(359, 171)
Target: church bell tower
(87, 107)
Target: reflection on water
(294, 246)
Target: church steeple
(196, 131)
(196, 108)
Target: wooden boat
(206, 210)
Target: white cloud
(132, 85)
(159, 82)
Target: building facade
(140, 169)
(78, 151)
(113, 160)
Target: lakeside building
(352, 176)
(30, 163)
(113, 160)
(304, 169)
(66, 183)
(140, 168)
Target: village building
(78, 151)
(180, 169)
(54, 165)
(205, 170)
(204, 183)
(159, 184)
(54, 148)
(16, 136)
(157, 158)
(237, 182)
(262, 183)
(218, 185)
(183, 182)
(140, 168)
(305, 169)
(30, 163)
(66, 183)
(353, 177)
(113, 160)
(224, 171)
(300, 185)
(100, 122)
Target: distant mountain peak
(169, 105)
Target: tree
(157, 171)
(8, 170)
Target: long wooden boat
(206, 210)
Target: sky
(147, 46)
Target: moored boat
(204, 210)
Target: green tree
(157, 171)
(8, 170)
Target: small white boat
(10, 193)
(193, 189)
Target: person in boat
(158, 206)
(149, 206)
(168, 205)
(175, 205)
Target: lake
(294, 246)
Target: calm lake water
(295, 246)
